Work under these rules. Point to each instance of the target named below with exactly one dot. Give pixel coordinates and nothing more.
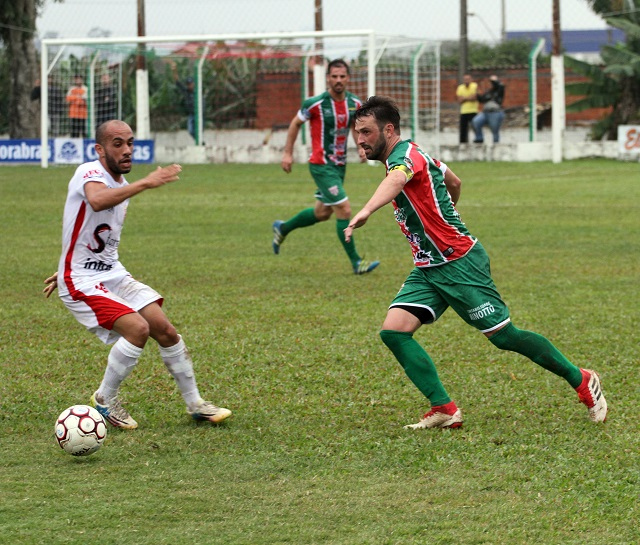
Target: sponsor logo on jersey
(102, 241)
(334, 190)
(400, 215)
(93, 174)
(97, 266)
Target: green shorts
(464, 285)
(329, 179)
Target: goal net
(231, 94)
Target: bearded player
(99, 291)
(451, 269)
(330, 116)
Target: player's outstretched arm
(101, 197)
(386, 192)
(51, 284)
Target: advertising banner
(66, 151)
(629, 138)
(22, 151)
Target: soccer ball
(80, 430)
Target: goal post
(245, 88)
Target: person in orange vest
(77, 100)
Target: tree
(19, 64)
(17, 30)
(482, 55)
(616, 84)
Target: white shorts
(98, 307)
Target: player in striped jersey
(451, 269)
(98, 290)
(330, 116)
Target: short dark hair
(383, 109)
(337, 63)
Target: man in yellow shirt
(467, 95)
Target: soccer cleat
(203, 410)
(364, 267)
(278, 237)
(590, 393)
(441, 416)
(114, 412)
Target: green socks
(304, 218)
(307, 217)
(349, 247)
(539, 350)
(417, 365)
(421, 370)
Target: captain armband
(404, 168)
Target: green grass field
(315, 452)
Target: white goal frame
(373, 55)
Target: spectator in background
(77, 100)
(187, 90)
(467, 95)
(55, 104)
(492, 113)
(106, 98)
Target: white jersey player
(99, 291)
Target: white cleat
(114, 412)
(203, 410)
(590, 393)
(442, 416)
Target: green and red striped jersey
(424, 209)
(330, 123)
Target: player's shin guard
(539, 350)
(179, 363)
(417, 365)
(123, 357)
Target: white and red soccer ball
(80, 430)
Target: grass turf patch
(315, 451)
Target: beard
(115, 167)
(374, 152)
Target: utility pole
(464, 45)
(558, 119)
(319, 84)
(143, 127)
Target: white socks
(179, 364)
(123, 357)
